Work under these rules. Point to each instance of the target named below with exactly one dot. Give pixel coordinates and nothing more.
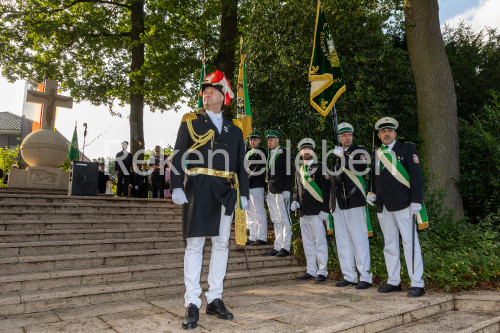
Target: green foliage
(7, 158)
(480, 160)
(376, 69)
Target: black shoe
(217, 308)
(389, 288)
(190, 320)
(306, 276)
(282, 253)
(320, 278)
(258, 242)
(249, 242)
(272, 253)
(363, 285)
(416, 292)
(345, 283)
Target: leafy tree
(140, 52)
(436, 97)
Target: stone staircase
(58, 251)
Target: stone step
(46, 224)
(79, 214)
(26, 281)
(29, 263)
(451, 322)
(5, 197)
(63, 297)
(86, 207)
(89, 234)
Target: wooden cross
(50, 100)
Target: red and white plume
(218, 78)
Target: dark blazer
(390, 192)
(308, 204)
(102, 179)
(278, 181)
(127, 162)
(259, 167)
(343, 189)
(207, 194)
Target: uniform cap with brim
(345, 127)
(306, 143)
(218, 80)
(386, 122)
(272, 134)
(125, 143)
(255, 135)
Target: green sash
(310, 186)
(271, 161)
(395, 167)
(360, 184)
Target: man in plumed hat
(279, 186)
(123, 163)
(311, 197)
(256, 213)
(396, 187)
(211, 151)
(348, 203)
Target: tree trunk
(136, 81)
(228, 42)
(436, 98)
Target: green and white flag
(325, 74)
(73, 152)
(203, 76)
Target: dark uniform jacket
(127, 162)
(308, 204)
(255, 181)
(343, 190)
(278, 181)
(102, 179)
(390, 192)
(207, 194)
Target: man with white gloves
(311, 197)
(348, 204)
(211, 151)
(279, 181)
(397, 189)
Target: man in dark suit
(102, 178)
(348, 204)
(213, 149)
(157, 163)
(123, 162)
(398, 195)
(141, 181)
(256, 213)
(279, 186)
(311, 196)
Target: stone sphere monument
(44, 150)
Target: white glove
(323, 216)
(370, 198)
(295, 205)
(286, 195)
(244, 203)
(179, 197)
(338, 151)
(415, 208)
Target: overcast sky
(106, 132)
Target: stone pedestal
(39, 177)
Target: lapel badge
(225, 129)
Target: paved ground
(290, 306)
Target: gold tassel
(370, 233)
(240, 226)
(423, 225)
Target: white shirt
(216, 118)
(389, 147)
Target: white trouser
(392, 224)
(256, 215)
(279, 215)
(193, 261)
(351, 236)
(314, 242)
